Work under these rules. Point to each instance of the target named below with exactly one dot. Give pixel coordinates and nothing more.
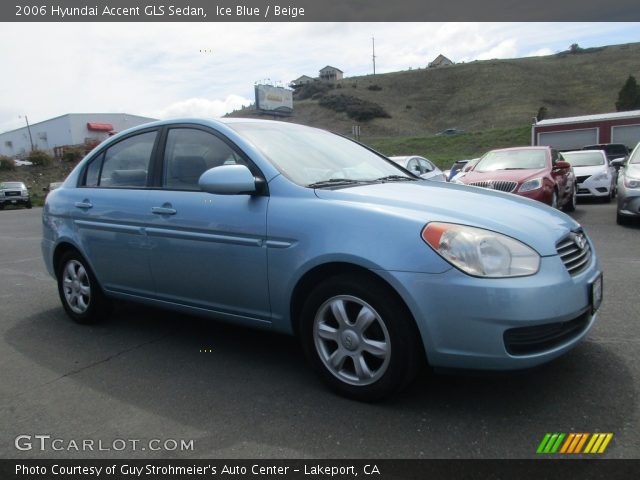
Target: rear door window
(126, 164)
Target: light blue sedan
(300, 231)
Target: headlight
(481, 252)
(529, 185)
(24, 193)
(631, 182)
(600, 176)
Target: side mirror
(45, 189)
(617, 162)
(228, 180)
(562, 164)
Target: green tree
(629, 96)
(542, 113)
(575, 48)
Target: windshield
(584, 159)
(511, 160)
(309, 156)
(13, 185)
(635, 156)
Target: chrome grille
(500, 185)
(574, 252)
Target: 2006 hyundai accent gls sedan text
(304, 232)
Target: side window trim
(101, 154)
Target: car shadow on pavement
(240, 387)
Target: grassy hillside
(480, 95)
(444, 150)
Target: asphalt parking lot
(237, 393)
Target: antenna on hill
(373, 56)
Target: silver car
(421, 167)
(629, 189)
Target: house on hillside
(300, 81)
(331, 74)
(440, 61)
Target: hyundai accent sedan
(300, 231)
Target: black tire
(398, 352)
(1, 206)
(622, 220)
(570, 205)
(80, 293)
(29, 204)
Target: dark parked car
(539, 173)
(612, 150)
(14, 193)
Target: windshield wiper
(394, 178)
(333, 182)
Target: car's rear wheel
(360, 338)
(81, 296)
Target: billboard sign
(274, 99)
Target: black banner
(317, 11)
(319, 469)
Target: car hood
(507, 175)
(531, 222)
(581, 171)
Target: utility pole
(29, 130)
(373, 57)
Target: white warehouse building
(69, 129)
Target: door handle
(163, 210)
(85, 204)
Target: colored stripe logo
(574, 443)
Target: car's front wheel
(570, 206)
(360, 337)
(79, 291)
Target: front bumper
(14, 200)
(591, 188)
(629, 201)
(463, 320)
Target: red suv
(539, 173)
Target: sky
(169, 70)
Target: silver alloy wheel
(76, 287)
(352, 340)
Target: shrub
(40, 157)
(310, 90)
(72, 155)
(7, 163)
(354, 107)
(374, 87)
